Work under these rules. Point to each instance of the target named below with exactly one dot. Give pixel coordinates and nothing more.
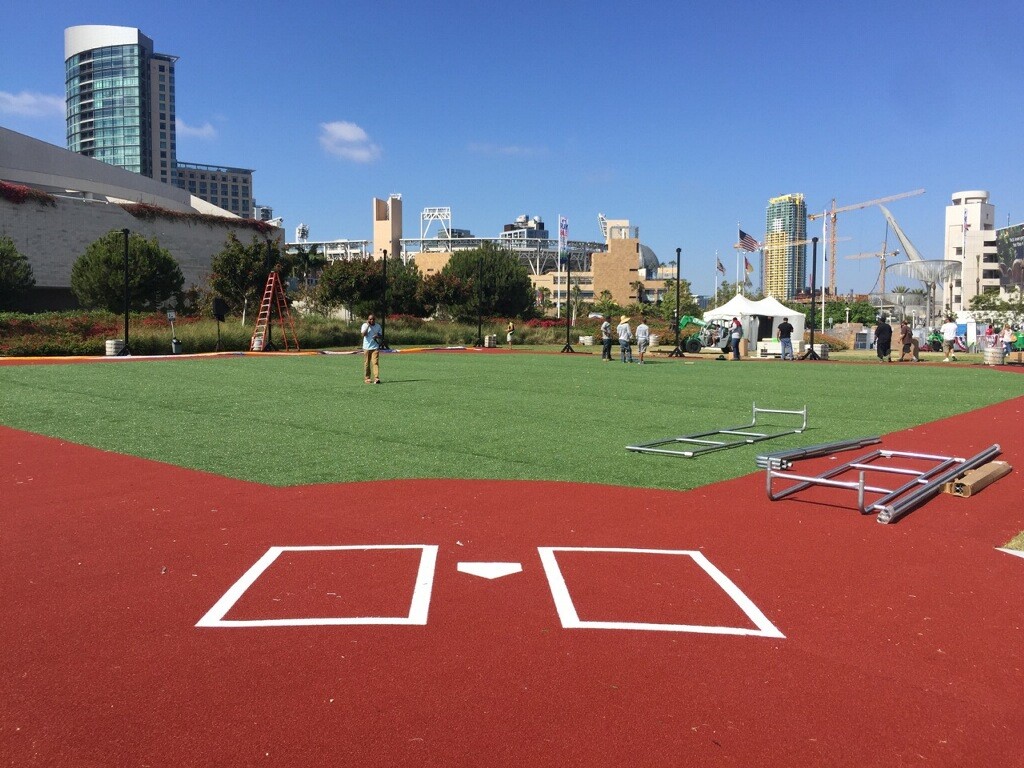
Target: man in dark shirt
(786, 339)
(883, 340)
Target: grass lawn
(293, 420)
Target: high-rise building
(120, 110)
(120, 99)
(971, 240)
(785, 264)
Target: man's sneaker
(376, 381)
(945, 359)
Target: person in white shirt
(606, 340)
(372, 338)
(625, 339)
(643, 338)
(948, 330)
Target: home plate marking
(490, 570)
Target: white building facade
(971, 239)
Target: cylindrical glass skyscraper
(120, 99)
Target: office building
(971, 240)
(784, 269)
(120, 99)
(227, 188)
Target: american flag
(747, 243)
(721, 267)
(747, 265)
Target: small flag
(747, 243)
(966, 225)
(747, 265)
(721, 267)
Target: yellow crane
(831, 214)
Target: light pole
(568, 298)
(678, 351)
(384, 302)
(126, 350)
(480, 298)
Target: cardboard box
(973, 481)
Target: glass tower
(120, 99)
(785, 262)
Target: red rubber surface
(904, 643)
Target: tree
(500, 283)
(687, 303)
(15, 274)
(441, 292)
(356, 284)
(239, 272)
(995, 308)
(606, 305)
(403, 288)
(154, 277)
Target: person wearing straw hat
(625, 340)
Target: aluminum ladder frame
(894, 502)
(706, 445)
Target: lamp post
(568, 298)
(126, 350)
(480, 298)
(384, 302)
(810, 354)
(678, 351)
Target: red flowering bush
(18, 193)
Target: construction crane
(882, 256)
(831, 214)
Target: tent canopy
(760, 319)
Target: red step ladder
(274, 298)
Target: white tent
(760, 319)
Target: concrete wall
(54, 236)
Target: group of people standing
(625, 337)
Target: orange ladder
(273, 297)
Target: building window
(958, 251)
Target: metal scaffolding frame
(893, 503)
(704, 442)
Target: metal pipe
(895, 511)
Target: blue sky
(684, 120)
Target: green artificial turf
(286, 420)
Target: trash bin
(114, 347)
(744, 347)
(175, 347)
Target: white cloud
(506, 150)
(31, 104)
(348, 141)
(204, 131)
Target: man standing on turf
(625, 339)
(606, 340)
(371, 333)
(948, 330)
(786, 338)
(883, 340)
(735, 334)
(906, 343)
(643, 338)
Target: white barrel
(115, 347)
(991, 356)
(655, 338)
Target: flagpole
(717, 262)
